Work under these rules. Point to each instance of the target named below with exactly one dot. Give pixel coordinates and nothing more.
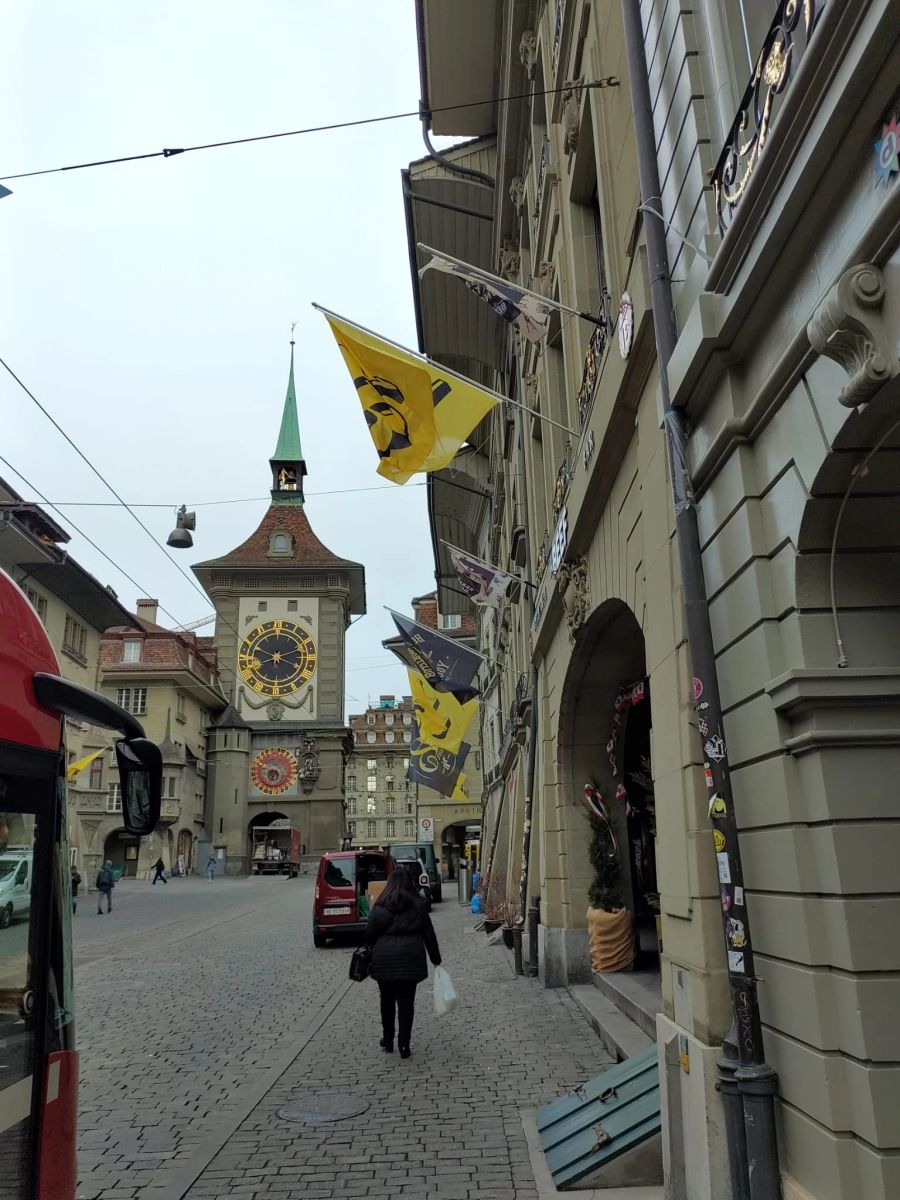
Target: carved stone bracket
(848, 328)
(545, 278)
(575, 591)
(510, 262)
(571, 115)
(528, 48)
(517, 192)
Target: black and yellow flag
(418, 415)
(439, 747)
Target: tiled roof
(280, 518)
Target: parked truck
(276, 850)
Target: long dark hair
(400, 891)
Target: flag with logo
(441, 721)
(436, 767)
(418, 414)
(447, 665)
(481, 583)
(522, 309)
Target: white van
(15, 883)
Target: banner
(441, 720)
(483, 584)
(447, 665)
(522, 309)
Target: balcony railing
(593, 356)
(787, 40)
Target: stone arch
(122, 849)
(609, 654)
(261, 821)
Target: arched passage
(604, 739)
(121, 849)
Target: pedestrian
(105, 884)
(76, 880)
(399, 930)
(211, 866)
(160, 868)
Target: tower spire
(288, 466)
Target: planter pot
(490, 926)
(611, 939)
(507, 938)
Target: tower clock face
(276, 658)
(273, 771)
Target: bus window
(19, 1033)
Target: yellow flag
(460, 792)
(441, 720)
(418, 416)
(76, 767)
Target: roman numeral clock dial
(277, 658)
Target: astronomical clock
(274, 771)
(276, 663)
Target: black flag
(446, 664)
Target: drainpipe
(756, 1081)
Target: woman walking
(400, 932)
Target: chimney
(147, 609)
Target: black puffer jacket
(399, 938)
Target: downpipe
(749, 1082)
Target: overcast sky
(148, 305)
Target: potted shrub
(492, 890)
(610, 931)
(508, 914)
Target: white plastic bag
(445, 997)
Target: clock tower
(283, 603)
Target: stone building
(75, 609)
(381, 801)
(774, 130)
(167, 678)
(283, 603)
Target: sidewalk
(446, 1124)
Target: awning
(459, 56)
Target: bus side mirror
(140, 776)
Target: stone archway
(605, 715)
(261, 821)
(122, 849)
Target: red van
(342, 885)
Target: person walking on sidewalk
(399, 930)
(211, 867)
(76, 880)
(160, 868)
(105, 885)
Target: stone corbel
(517, 192)
(848, 328)
(510, 262)
(532, 392)
(575, 592)
(528, 48)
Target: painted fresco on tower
(276, 677)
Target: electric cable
(213, 503)
(170, 152)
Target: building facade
(75, 609)
(380, 800)
(167, 679)
(283, 603)
(774, 130)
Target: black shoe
(387, 1047)
(404, 1051)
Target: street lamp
(180, 536)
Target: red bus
(38, 1061)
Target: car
(15, 883)
(341, 904)
(424, 852)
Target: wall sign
(426, 829)
(560, 541)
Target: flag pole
(445, 370)
(490, 566)
(574, 312)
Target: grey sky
(148, 305)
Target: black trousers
(100, 894)
(401, 996)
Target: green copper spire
(288, 467)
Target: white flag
(524, 310)
(481, 583)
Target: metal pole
(733, 1104)
(755, 1078)
(534, 918)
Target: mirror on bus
(140, 776)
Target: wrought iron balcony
(787, 40)
(591, 371)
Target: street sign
(426, 829)
(423, 879)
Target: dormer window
(281, 545)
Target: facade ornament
(532, 392)
(575, 591)
(510, 262)
(517, 192)
(848, 328)
(544, 278)
(309, 764)
(528, 48)
(275, 710)
(571, 116)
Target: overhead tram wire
(170, 152)
(238, 500)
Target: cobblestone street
(204, 1009)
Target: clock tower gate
(283, 603)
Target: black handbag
(361, 963)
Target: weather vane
(293, 327)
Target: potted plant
(610, 931)
(492, 889)
(508, 913)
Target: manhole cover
(319, 1110)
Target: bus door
(35, 973)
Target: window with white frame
(370, 719)
(131, 651)
(75, 638)
(388, 718)
(450, 621)
(351, 828)
(407, 718)
(371, 763)
(388, 783)
(179, 707)
(409, 806)
(38, 602)
(351, 783)
(96, 777)
(370, 737)
(389, 735)
(351, 806)
(391, 829)
(389, 804)
(407, 735)
(372, 783)
(371, 829)
(371, 804)
(114, 798)
(133, 700)
(409, 829)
